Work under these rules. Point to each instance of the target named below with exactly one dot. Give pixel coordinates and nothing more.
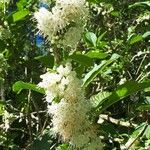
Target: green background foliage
(112, 58)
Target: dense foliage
(112, 59)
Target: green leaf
(20, 85)
(144, 107)
(147, 90)
(99, 98)
(63, 147)
(147, 132)
(82, 59)
(138, 129)
(101, 36)
(21, 4)
(96, 54)
(47, 60)
(19, 15)
(43, 142)
(141, 4)
(146, 34)
(136, 135)
(90, 76)
(91, 38)
(135, 39)
(122, 91)
(115, 13)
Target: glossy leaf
(141, 4)
(19, 15)
(91, 38)
(63, 147)
(82, 59)
(20, 85)
(99, 98)
(135, 39)
(147, 132)
(144, 107)
(121, 92)
(146, 34)
(96, 54)
(90, 76)
(47, 60)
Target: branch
(117, 122)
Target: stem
(2, 96)
(118, 122)
(29, 116)
(38, 114)
(57, 56)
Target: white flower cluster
(68, 107)
(67, 17)
(7, 117)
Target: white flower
(64, 13)
(49, 79)
(69, 113)
(72, 37)
(48, 23)
(67, 121)
(64, 71)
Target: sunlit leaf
(63, 147)
(146, 34)
(91, 38)
(90, 76)
(140, 4)
(20, 85)
(147, 132)
(19, 15)
(99, 98)
(135, 39)
(96, 54)
(121, 92)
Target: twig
(38, 114)
(141, 64)
(117, 122)
(144, 76)
(29, 116)
(57, 56)
(53, 146)
(137, 55)
(2, 90)
(44, 125)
